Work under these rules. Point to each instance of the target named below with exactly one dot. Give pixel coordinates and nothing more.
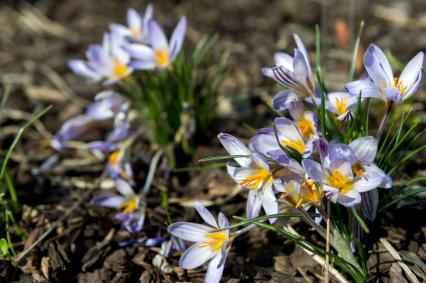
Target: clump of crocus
(320, 162)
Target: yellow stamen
(397, 83)
(217, 239)
(358, 170)
(128, 206)
(305, 127)
(299, 146)
(341, 182)
(135, 32)
(113, 157)
(257, 180)
(118, 69)
(161, 57)
(340, 105)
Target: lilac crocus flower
(137, 25)
(211, 243)
(288, 135)
(383, 84)
(341, 179)
(119, 166)
(107, 62)
(107, 105)
(340, 103)
(361, 154)
(293, 73)
(252, 172)
(131, 214)
(159, 53)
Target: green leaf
(4, 247)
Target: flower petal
(205, 214)
(313, 169)
(363, 87)
(157, 38)
(195, 255)
(378, 66)
(283, 60)
(365, 148)
(235, 147)
(177, 38)
(215, 270)
(269, 202)
(282, 100)
(393, 94)
(253, 204)
(412, 75)
(112, 201)
(188, 231)
(123, 187)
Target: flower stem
(384, 121)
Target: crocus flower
(341, 180)
(252, 172)
(71, 129)
(128, 203)
(137, 25)
(383, 84)
(107, 62)
(300, 191)
(211, 243)
(288, 135)
(360, 153)
(107, 105)
(119, 166)
(160, 53)
(295, 72)
(340, 103)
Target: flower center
(299, 146)
(118, 69)
(397, 83)
(216, 240)
(340, 106)
(339, 181)
(256, 180)
(129, 206)
(358, 170)
(161, 57)
(135, 32)
(305, 127)
(113, 157)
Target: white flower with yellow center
(253, 173)
(137, 25)
(384, 84)
(210, 243)
(158, 53)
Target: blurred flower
(131, 214)
(383, 85)
(252, 172)
(119, 166)
(107, 105)
(293, 72)
(106, 62)
(300, 191)
(159, 53)
(211, 243)
(137, 25)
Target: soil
(38, 37)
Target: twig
(58, 222)
(398, 258)
(384, 121)
(327, 245)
